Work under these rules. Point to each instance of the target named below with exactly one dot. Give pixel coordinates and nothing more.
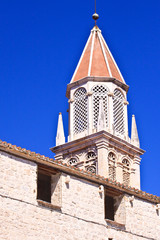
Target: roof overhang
(58, 165)
(92, 139)
(95, 79)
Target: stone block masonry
(80, 216)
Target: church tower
(98, 139)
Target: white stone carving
(112, 168)
(118, 112)
(71, 100)
(85, 159)
(80, 111)
(134, 133)
(101, 124)
(89, 93)
(72, 161)
(126, 171)
(60, 138)
(91, 169)
(99, 92)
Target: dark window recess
(44, 187)
(109, 208)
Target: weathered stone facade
(80, 214)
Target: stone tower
(98, 138)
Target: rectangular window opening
(114, 207)
(49, 187)
(109, 208)
(44, 187)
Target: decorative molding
(137, 160)
(60, 166)
(125, 102)
(89, 94)
(111, 94)
(71, 100)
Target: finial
(95, 16)
(60, 138)
(134, 133)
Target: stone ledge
(48, 205)
(114, 224)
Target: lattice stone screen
(80, 110)
(112, 168)
(118, 112)
(99, 92)
(126, 172)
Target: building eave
(58, 165)
(95, 79)
(93, 138)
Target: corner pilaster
(90, 119)
(71, 101)
(102, 154)
(126, 119)
(135, 175)
(110, 115)
(119, 172)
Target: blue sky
(40, 45)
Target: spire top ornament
(95, 16)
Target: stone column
(102, 154)
(110, 112)
(119, 172)
(132, 177)
(90, 113)
(126, 119)
(135, 178)
(70, 101)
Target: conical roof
(96, 59)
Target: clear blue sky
(40, 45)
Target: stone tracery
(112, 168)
(126, 171)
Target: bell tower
(96, 79)
(98, 139)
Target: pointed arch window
(112, 168)
(118, 112)
(80, 110)
(126, 172)
(99, 92)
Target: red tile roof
(50, 162)
(96, 59)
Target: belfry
(98, 138)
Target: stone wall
(80, 217)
